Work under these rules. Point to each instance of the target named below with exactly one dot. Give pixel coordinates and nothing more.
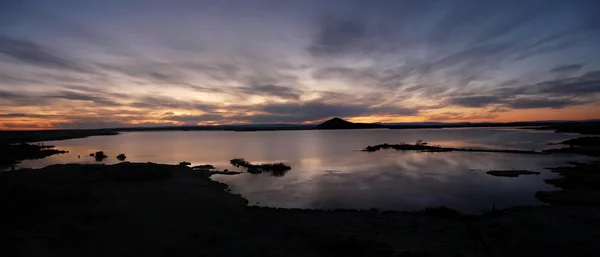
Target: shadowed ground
(133, 209)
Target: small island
(121, 157)
(276, 169)
(99, 156)
(423, 147)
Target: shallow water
(328, 173)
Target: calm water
(327, 171)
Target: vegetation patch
(276, 169)
(423, 147)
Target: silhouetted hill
(337, 123)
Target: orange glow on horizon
(453, 115)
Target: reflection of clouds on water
(394, 188)
(407, 182)
(328, 173)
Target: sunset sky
(115, 63)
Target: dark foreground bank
(12, 154)
(133, 209)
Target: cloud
(272, 90)
(10, 79)
(24, 115)
(558, 93)
(567, 68)
(311, 111)
(158, 102)
(103, 124)
(541, 103)
(468, 58)
(194, 119)
(474, 101)
(24, 98)
(453, 116)
(588, 83)
(72, 95)
(337, 36)
(11, 99)
(305, 61)
(34, 54)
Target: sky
(114, 63)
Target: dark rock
(100, 156)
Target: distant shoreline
(17, 137)
(11, 137)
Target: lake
(328, 172)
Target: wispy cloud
(300, 62)
(29, 52)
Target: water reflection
(328, 173)
(402, 181)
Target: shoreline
(19, 137)
(99, 210)
(29, 136)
